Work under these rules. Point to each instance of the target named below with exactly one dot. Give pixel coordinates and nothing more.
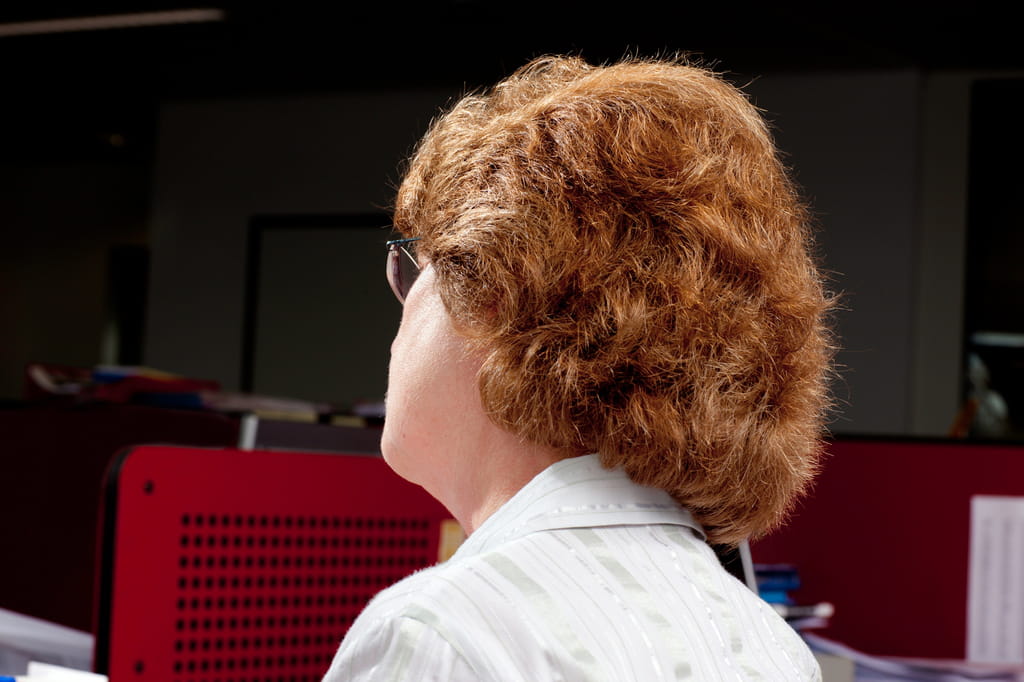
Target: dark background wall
(173, 138)
(849, 135)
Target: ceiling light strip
(71, 24)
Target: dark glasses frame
(402, 267)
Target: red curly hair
(624, 245)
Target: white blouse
(582, 576)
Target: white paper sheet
(995, 601)
(56, 673)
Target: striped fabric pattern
(583, 575)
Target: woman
(615, 349)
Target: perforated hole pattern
(269, 598)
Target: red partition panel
(884, 536)
(249, 565)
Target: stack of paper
(893, 669)
(24, 639)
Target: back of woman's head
(625, 247)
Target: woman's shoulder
(447, 610)
(438, 596)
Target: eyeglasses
(402, 267)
